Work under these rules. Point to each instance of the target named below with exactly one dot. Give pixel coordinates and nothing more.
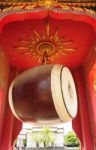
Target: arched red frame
(83, 124)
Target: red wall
(9, 125)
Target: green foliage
(36, 137)
(71, 139)
(47, 137)
(24, 142)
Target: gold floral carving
(47, 3)
(45, 48)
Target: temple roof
(60, 1)
(22, 4)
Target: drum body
(44, 95)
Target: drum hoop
(62, 93)
(59, 105)
(11, 102)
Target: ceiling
(31, 42)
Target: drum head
(64, 93)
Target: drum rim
(11, 102)
(59, 98)
(62, 92)
(59, 105)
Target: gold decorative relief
(46, 47)
(47, 3)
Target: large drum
(44, 95)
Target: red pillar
(92, 102)
(90, 76)
(83, 120)
(9, 126)
(10, 130)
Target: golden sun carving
(45, 48)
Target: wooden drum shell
(36, 96)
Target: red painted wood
(7, 130)
(17, 126)
(90, 75)
(92, 103)
(10, 125)
(77, 127)
(84, 112)
(11, 129)
(71, 26)
(84, 123)
(4, 71)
